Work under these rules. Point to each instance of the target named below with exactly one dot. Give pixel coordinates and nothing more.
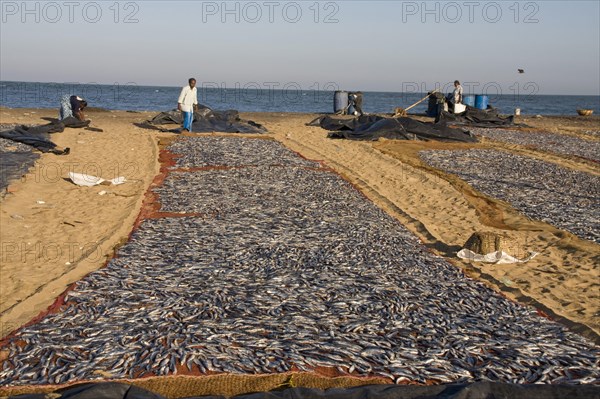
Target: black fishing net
(38, 136)
(373, 127)
(477, 118)
(207, 120)
(16, 160)
(13, 165)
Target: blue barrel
(469, 100)
(481, 102)
(340, 101)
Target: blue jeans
(188, 118)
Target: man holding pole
(187, 103)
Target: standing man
(187, 103)
(457, 95)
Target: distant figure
(72, 106)
(521, 70)
(187, 103)
(457, 95)
(355, 103)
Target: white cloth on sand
(84, 180)
(498, 257)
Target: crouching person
(71, 111)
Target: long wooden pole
(421, 100)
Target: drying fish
(287, 266)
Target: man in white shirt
(188, 101)
(457, 96)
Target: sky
(353, 45)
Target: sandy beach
(53, 233)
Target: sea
(257, 98)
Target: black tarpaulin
(20, 134)
(477, 390)
(13, 164)
(38, 136)
(373, 127)
(206, 121)
(477, 118)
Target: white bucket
(517, 111)
(459, 108)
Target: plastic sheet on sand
(477, 390)
(477, 118)
(38, 136)
(206, 121)
(373, 127)
(498, 257)
(84, 180)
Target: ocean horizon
(253, 98)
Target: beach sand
(48, 246)
(52, 232)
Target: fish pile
(565, 198)
(197, 152)
(288, 267)
(551, 142)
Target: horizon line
(277, 89)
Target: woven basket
(484, 242)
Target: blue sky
(354, 45)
